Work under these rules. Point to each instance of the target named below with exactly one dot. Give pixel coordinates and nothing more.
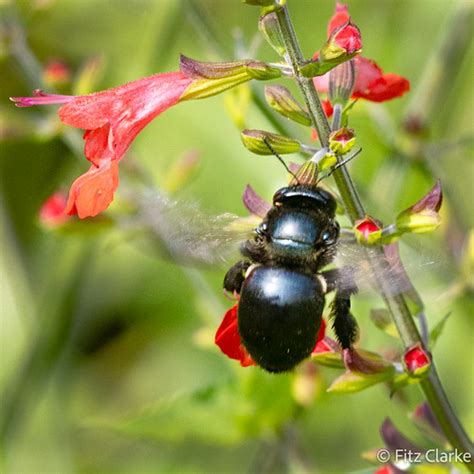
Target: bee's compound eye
(331, 234)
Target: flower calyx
(342, 141)
(210, 78)
(279, 98)
(266, 143)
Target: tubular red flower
(228, 338)
(111, 120)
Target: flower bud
(342, 141)
(417, 360)
(211, 78)
(343, 43)
(56, 74)
(367, 231)
(52, 212)
(282, 100)
(341, 83)
(256, 141)
(270, 29)
(422, 216)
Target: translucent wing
(370, 268)
(182, 231)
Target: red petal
(339, 18)
(373, 85)
(92, 192)
(126, 109)
(228, 339)
(348, 38)
(416, 358)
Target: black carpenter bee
(280, 286)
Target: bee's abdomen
(279, 316)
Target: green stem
(396, 304)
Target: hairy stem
(396, 304)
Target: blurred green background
(95, 331)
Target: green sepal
(328, 160)
(417, 223)
(328, 359)
(254, 140)
(342, 141)
(211, 78)
(351, 382)
(282, 100)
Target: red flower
(52, 211)
(111, 120)
(371, 83)
(228, 338)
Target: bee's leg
(344, 325)
(235, 277)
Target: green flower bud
(422, 216)
(256, 141)
(281, 100)
(268, 25)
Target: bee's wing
(182, 231)
(369, 267)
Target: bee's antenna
(342, 163)
(265, 140)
